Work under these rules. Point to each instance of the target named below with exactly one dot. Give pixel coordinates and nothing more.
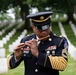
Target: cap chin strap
(41, 20)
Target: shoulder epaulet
(61, 39)
(56, 35)
(60, 42)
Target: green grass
(17, 71)
(71, 67)
(70, 34)
(55, 28)
(7, 31)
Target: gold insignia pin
(36, 70)
(50, 39)
(42, 18)
(48, 52)
(53, 52)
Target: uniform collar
(37, 40)
(51, 35)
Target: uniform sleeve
(60, 62)
(57, 62)
(12, 62)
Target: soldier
(43, 52)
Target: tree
(24, 5)
(67, 6)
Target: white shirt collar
(37, 39)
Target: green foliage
(17, 12)
(60, 6)
(4, 16)
(55, 27)
(4, 5)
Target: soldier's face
(41, 33)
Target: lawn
(17, 71)
(71, 67)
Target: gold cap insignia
(42, 18)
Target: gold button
(24, 54)
(53, 52)
(48, 52)
(36, 70)
(50, 39)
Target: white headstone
(3, 65)
(2, 52)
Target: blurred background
(14, 26)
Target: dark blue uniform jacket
(42, 66)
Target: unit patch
(51, 48)
(66, 45)
(64, 53)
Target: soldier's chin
(43, 36)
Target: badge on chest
(51, 50)
(27, 52)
